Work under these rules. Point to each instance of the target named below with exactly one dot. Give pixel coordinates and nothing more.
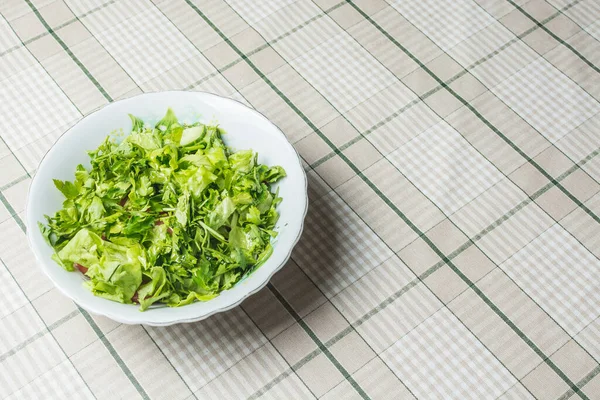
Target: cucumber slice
(190, 135)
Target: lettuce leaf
(84, 249)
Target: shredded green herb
(167, 215)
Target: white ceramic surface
(246, 129)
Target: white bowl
(246, 129)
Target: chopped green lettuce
(168, 215)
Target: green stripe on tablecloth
(114, 353)
(559, 12)
(447, 82)
(303, 361)
(38, 335)
(47, 329)
(68, 51)
(291, 368)
(12, 211)
(57, 85)
(100, 44)
(476, 113)
(14, 181)
(589, 376)
(505, 175)
(67, 23)
(318, 341)
(477, 237)
(170, 363)
(554, 36)
(262, 46)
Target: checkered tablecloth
(452, 244)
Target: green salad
(169, 214)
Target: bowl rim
(166, 322)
